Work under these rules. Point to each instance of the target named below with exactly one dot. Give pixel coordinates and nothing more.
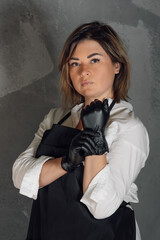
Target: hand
(86, 143)
(93, 142)
(95, 116)
(76, 154)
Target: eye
(73, 64)
(95, 60)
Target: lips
(83, 84)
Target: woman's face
(92, 72)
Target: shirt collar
(75, 114)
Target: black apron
(58, 214)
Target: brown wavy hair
(113, 46)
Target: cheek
(73, 80)
(74, 77)
(107, 78)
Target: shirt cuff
(99, 188)
(30, 183)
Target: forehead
(86, 46)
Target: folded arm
(126, 157)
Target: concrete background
(32, 36)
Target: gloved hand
(91, 141)
(81, 145)
(75, 156)
(96, 115)
(94, 119)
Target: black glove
(96, 115)
(94, 120)
(81, 145)
(91, 141)
(75, 156)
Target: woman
(83, 188)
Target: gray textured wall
(32, 34)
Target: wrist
(96, 162)
(96, 158)
(93, 165)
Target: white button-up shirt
(128, 143)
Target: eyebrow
(89, 56)
(93, 54)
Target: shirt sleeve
(27, 168)
(107, 190)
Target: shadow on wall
(27, 92)
(24, 57)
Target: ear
(117, 67)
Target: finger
(84, 148)
(88, 149)
(87, 109)
(90, 133)
(105, 105)
(98, 104)
(87, 141)
(92, 105)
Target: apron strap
(64, 118)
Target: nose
(84, 71)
